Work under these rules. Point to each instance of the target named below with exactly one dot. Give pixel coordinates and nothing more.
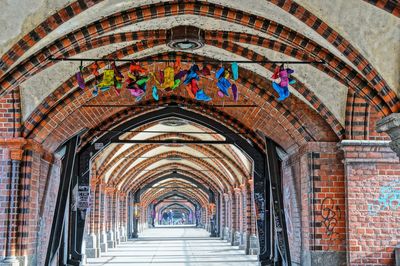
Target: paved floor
(175, 246)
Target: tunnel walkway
(175, 246)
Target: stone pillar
(391, 126)
(92, 241)
(236, 217)
(103, 218)
(397, 255)
(15, 156)
(111, 221)
(243, 217)
(253, 246)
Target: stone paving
(175, 246)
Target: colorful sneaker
(282, 91)
(180, 74)
(194, 87)
(219, 73)
(235, 92)
(235, 71)
(155, 93)
(224, 85)
(95, 91)
(176, 84)
(205, 71)
(189, 76)
(201, 96)
(80, 80)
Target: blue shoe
(201, 96)
(219, 73)
(95, 91)
(282, 91)
(191, 75)
(235, 71)
(155, 93)
(105, 88)
(224, 85)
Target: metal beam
(60, 214)
(170, 141)
(184, 61)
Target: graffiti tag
(330, 214)
(389, 199)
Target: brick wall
(315, 176)
(291, 203)
(373, 202)
(48, 192)
(10, 116)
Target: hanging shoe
(168, 78)
(138, 99)
(219, 73)
(201, 96)
(205, 71)
(80, 79)
(224, 85)
(105, 88)
(189, 76)
(194, 87)
(108, 78)
(142, 80)
(177, 65)
(180, 74)
(292, 81)
(235, 71)
(235, 92)
(176, 84)
(275, 75)
(155, 93)
(282, 91)
(95, 91)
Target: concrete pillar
(92, 250)
(254, 247)
(103, 242)
(243, 241)
(236, 238)
(110, 239)
(391, 125)
(397, 255)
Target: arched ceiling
(358, 40)
(356, 28)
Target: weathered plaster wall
(374, 32)
(18, 17)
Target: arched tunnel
(166, 132)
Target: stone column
(92, 248)
(111, 221)
(103, 218)
(10, 259)
(243, 217)
(391, 126)
(253, 239)
(236, 217)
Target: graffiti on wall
(388, 200)
(287, 203)
(331, 214)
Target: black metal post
(62, 199)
